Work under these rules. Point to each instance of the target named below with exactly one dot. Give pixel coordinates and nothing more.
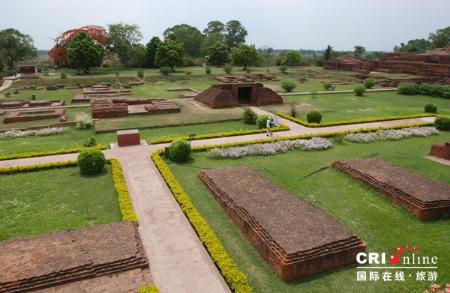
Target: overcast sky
(293, 24)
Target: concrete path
(7, 83)
(178, 260)
(386, 89)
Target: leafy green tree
(218, 54)
(235, 34)
(214, 27)
(169, 53)
(209, 41)
(359, 51)
(151, 48)
(83, 53)
(328, 53)
(416, 45)
(293, 58)
(121, 40)
(190, 37)
(139, 56)
(441, 38)
(15, 46)
(245, 55)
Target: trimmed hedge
(236, 279)
(433, 90)
(442, 123)
(179, 151)
(363, 120)
(125, 205)
(282, 127)
(49, 153)
(91, 162)
(314, 117)
(148, 289)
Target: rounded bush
(359, 90)
(140, 74)
(91, 162)
(442, 123)
(430, 108)
(369, 83)
(288, 85)
(327, 86)
(249, 117)
(92, 141)
(261, 122)
(228, 69)
(283, 69)
(208, 70)
(313, 117)
(180, 151)
(408, 88)
(165, 70)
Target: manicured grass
(383, 225)
(43, 94)
(191, 112)
(75, 138)
(342, 107)
(50, 200)
(159, 89)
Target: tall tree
(218, 54)
(190, 37)
(169, 53)
(441, 38)
(293, 58)
(328, 53)
(121, 40)
(214, 27)
(245, 55)
(235, 34)
(83, 53)
(139, 58)
(151, 48)
(15, 46)
(359, 51)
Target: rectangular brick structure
(128, 137)
(23, 116)
(426, 198)
(441, 150)
(43, 261)
(295, 238)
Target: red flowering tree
(59, 52)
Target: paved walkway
(178, 260)
(7, 83)
(386, 89)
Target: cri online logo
(406, 255)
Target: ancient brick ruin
(237, 94)
(33, 115)
(119, 107)
(441, 150)
(27, 71)
(44, 261)
(426, 198)
(348, 63)
(393, 82)
(31, 104)
(295, 238)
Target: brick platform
(31, 104)
(56, 258)
(441, 150)
(128, 137)
(119, 107)
(294, 238)
(426, 198)
(23, 116)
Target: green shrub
(63, 75)
(313, 117)
(430, 108)
(208, 70)
(369, 83)
(180, 151)
(408, 88)
(327, 86)
(248, 70)
(228, 69)
(188, 72)
(442, 123)
(83, 121)
(288, 85)
(434, 90)
(91, 162)
(15, 91)
(46, 73)
(140, 74)
(165, 70)
(283, 69)
(7, 94)
(262, 121)
(92, 141)
(359, 90)
(249, 117)
(293, 110)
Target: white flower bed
(391, 134)
(271, 148)
(33, 132)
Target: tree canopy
(190, 37)
(245, 55)
(293, 58)
(169, 53)
(15, 46)
(218, 54)
(438, 39)
(83, 53)
(359, 51)
(121, 40)
(235, 34)
(151, 48)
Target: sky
(282, 24)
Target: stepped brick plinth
(441, 150)
(295, 238)
(24, 116)
(426, 198)
(43, 261)
(128, 137)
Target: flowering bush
(391, 134)
(313, 144)
(33, 132)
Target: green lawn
(43, 94)
(383, 225)
(338, 107)
(50, 200)
(75, 138)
